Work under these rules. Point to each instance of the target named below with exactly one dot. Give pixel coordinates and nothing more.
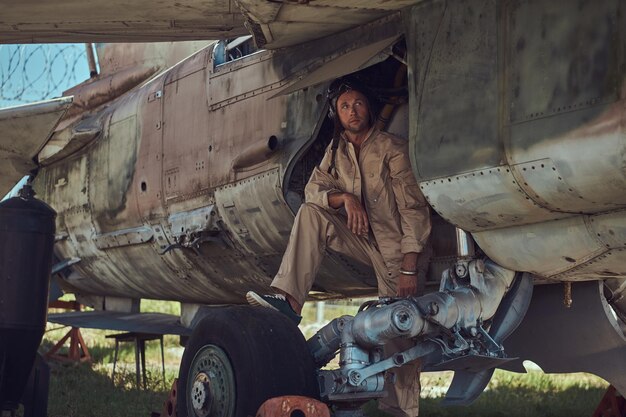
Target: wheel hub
(201, 394)
(211, 384)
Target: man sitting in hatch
(361, 201)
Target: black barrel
(27, 228)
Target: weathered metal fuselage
(519, 136)
(519, 140)
(182, 196)
(163, 169)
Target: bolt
(433, 308)
(402, 320)
(355, 377)
(341, 324)
(480, 266)
(399, 359)
(199, 395)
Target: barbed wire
(37, 72)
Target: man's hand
(410, 285)
(357, 216)
(407, 285)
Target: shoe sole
(256, 300)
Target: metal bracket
(356, 377)
(65, 263)
(193, 244)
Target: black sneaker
(277, 302)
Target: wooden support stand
(78, 351)
(611, 405)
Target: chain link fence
(37, 72)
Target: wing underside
(156, 323)
(274, 24)
(24, 130)
(42, 21)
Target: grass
(520, 395)
(86, 390)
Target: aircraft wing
(277, 24)
(156, 323)
(43, 21)
(24, 130)
(274, 24)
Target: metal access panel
(256, 213)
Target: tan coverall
(399, 220)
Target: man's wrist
(336, 199)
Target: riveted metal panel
(563, 56)
(111, 172)
(255, 211)
(610, 228)
(66, 187)
(186, 134)
(160, 241)
(546, 249)
(564, 81)
(589, 157)
(190, 65)
(232, 133)
(453, 84)
(243, 78)
(149, 167)
(484, 199)
(134, 236)
(607, 265)
(546, 185)
(193, 221)
(533, 88)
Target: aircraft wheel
(237, 357)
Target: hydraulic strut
(446, 325)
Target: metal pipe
(325, 343)
(464, 244)
(91, 60)
(464, 307)
(256, 153)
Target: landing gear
(238, 357)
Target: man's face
(353, 112)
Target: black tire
(240, 356)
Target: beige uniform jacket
(383, 179)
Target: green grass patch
(87, 390)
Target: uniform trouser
(314, 231)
